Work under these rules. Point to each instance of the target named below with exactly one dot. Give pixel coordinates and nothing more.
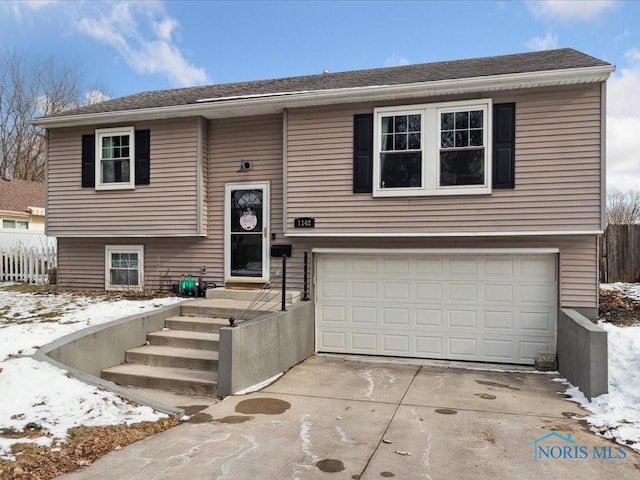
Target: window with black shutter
(116, 158)
(363, 153)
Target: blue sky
(127, 47)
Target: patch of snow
(44, 395)
(259, 386)
(39, 393)
(616, 415)
(632, 290)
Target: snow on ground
(37, 393)
(631, 290)
(616, 415)
(40, 395)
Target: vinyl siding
(167, 206)
(557, 173)
(81, 261)
(204, 192)
(258, 140)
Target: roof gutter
(244, 105)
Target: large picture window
(124, 267)
(434, 149)
(114, 158)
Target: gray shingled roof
(16, 195)
(548, 60)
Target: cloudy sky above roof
(127, 47)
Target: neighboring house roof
(344, 86)
(18, 195)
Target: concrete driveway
(343, 418)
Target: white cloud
(95, 96)
(623, 126)
(21, 8)
(548, 42)
(143, 35)
(37, 4)
(569, 10)
(633, 54)
(395, 60)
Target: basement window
(124, 267)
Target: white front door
(246, 232)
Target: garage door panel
(463, 318)
(398, 344)
(334, 314)
(463, 347)
(540, 322)
(429, 267)
(333, 289)
(429, 347)
(498, 349)
(333, 341)
(395, 291)
(499, 267)
(397, 316)
(395, 266)
(363, 316)
(463, 292)
(361, 290)
(463, 268)
(538, 269)
(497, 308)
(500, 320)
(535, 294)
(364, 342)
(361, 266)
(428, 291)
(500, 293)
(333, 265)
(428, 317)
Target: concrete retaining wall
(259, 349)
(582, 353)
(94, 349)
(87, 352)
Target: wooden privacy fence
(620, 254)
(27, 264)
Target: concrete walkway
(344, 418)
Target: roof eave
(273, 103)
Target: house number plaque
(305, 222)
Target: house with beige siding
(22, 212)
(445, 210)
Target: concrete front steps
(183, 357)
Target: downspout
(603, 180)
(199, 154)
(285, 128)
(46, 181)
(603, 155)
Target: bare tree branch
(31, 87)
(623, 207)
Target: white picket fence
(27, 264)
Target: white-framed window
(15, 224)
(124, 267)
(115, 154)
(433, 149)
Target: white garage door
(492, 308)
